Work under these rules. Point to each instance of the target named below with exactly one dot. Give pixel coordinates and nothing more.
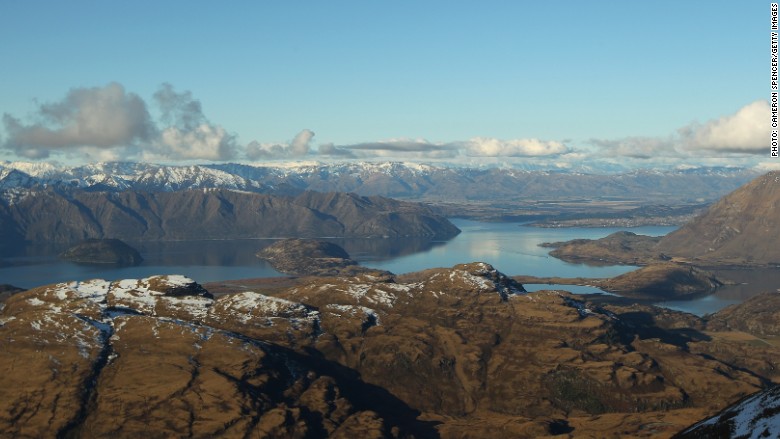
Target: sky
(509, 83)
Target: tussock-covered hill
(741, 228)
(759, 315)
(453, 353)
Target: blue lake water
(576, 289)
(512, 248)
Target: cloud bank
(745, 132)
(488, 147)
(298, 147)
(424, 149)
(86, 120)
(111, 123)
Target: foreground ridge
(440, 353)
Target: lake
(510, 247)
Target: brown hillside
(453, 353)
(741, 228)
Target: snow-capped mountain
(757, 416)
(393, 179)
(119, 176)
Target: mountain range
(54, 216)
(390, 179)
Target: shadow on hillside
(644, 325)
(365, 396)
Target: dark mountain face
(741, 228)
(49, 215)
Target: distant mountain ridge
(60, 217)
(390, 179)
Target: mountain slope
(740, 228)
(49, 215)
(755, 417)
(124, 359)
(458, 352)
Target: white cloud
(108, 123)
(423, 149)
(636, 147)
(402, 148)
(205, 141)
(736, 139)
(300, 143)
(768, 166)
(102, 117)
(490, 147)
(188, 134)
(746, 131)
(329, 149)
(299, 146)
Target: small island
(311, 257)
(102, 251)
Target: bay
(511, 248)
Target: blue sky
(646, 83)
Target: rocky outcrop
(47, 215)
(666, 281)
(102, 251)
(458, 352)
